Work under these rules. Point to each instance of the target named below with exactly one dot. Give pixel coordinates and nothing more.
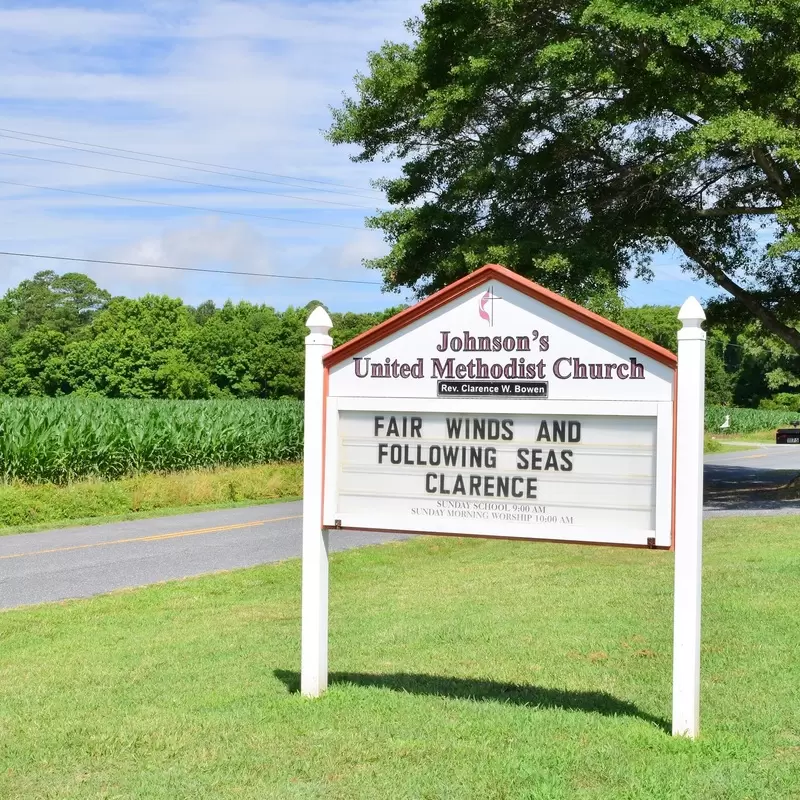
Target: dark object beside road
(788, 435)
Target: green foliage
(720, 380)
(660, 324)
(133, 349)
(158, 348)
(573, 141)
(62, 302)
(35, 363)
(63, 335)
(348, 326)
(68, 439)
(787, 401)
(746, 420)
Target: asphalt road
(80, 562)
(750, 481)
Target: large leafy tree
(137, 349)
(572, 139)
(58, 302)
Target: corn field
(66, 439)
(748, 420)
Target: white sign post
(688, 521)
(314, 636)
(495, 408)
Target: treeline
(62, 334)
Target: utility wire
(192, 269)
(186, 160)
(227, 171)
(177, 205)
(182, 180)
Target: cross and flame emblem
(487, 300)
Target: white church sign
(496, 408)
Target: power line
(192, 269)
(177, 205)
(187, 160)
(228, 171)
(180, 180)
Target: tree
(224, 347)
(136, 348)
(279, 361)
(349, 325)
(63, 303)
(35, 363)
(571, 140)
(765, 366)
(204, 312)
(660, 324)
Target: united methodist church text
(456, 367)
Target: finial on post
(691, 313)
(319, 321)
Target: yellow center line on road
(156, 538)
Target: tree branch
(737, 210)
(724, 174)
(766, 317)
(686, 118)
(766, 163)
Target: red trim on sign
(674, 455)
(500, 538)
(523, 285)
(325, 376)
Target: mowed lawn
(461, 669)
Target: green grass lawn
(461, 669)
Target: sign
(496, 408)
(501, 410)
(521, 475)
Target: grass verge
(460, 669)
(31, 507)
(757, 437)
(715, 444)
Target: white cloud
(60, 23)
(236, 83)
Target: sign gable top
(523, 285)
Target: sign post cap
(319, 321)
(691, 313)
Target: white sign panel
(499, 343)
(499, 414)
(518, 471)
(576, 477)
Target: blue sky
(238, 84)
